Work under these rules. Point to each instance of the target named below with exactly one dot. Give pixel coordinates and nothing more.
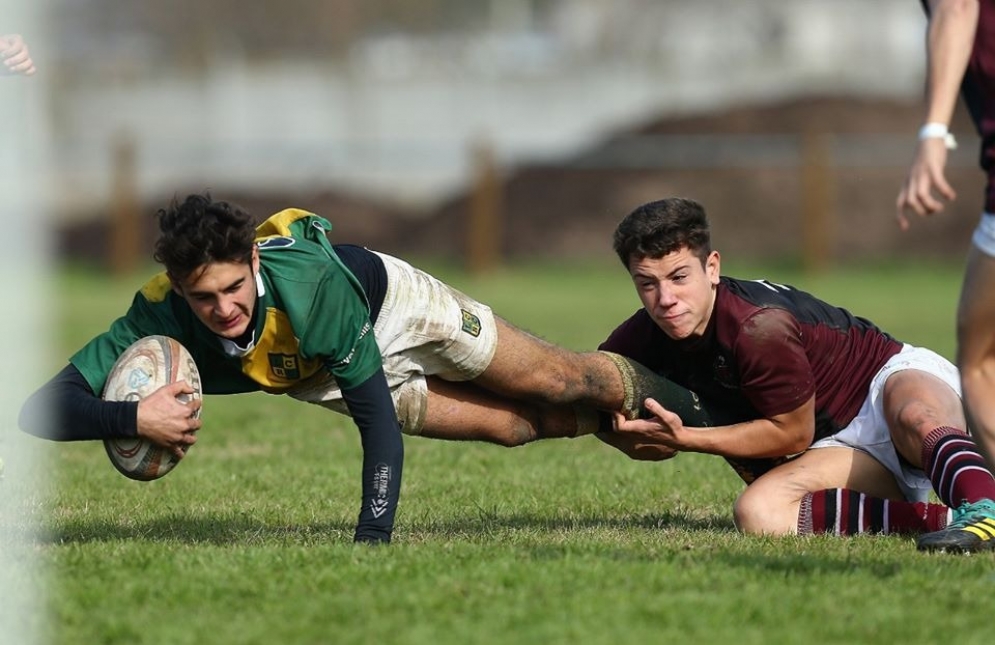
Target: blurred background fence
(494, 130)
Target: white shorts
(425, 328)
(869, 432)
(984, 234)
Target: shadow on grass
(213, 530)
(245, 529)
(704, 542)
(491, 521)
(811, 565)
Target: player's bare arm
(951, 37)
(167, 421)
(778, 436)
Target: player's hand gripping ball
(148, 364)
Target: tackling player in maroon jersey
(853, 428)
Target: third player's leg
(976, 348)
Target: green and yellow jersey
(311, 315)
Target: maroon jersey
(766, 350)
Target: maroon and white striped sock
(841, 511)
(955, 467)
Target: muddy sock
(640, 383)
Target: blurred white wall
(395, 118)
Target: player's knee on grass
(758, 512)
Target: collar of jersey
(231, 347)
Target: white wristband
(938, 131)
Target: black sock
(641, 383)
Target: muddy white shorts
(425, 328)
(868, 431)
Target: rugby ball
(148, 364)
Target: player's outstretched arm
(66, 409)
(779, 436)
(372, 408)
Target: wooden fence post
(818, 207)
(125, 225)
(484, 227)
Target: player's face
(677, 291)
(222, 295)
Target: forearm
(755, 439)
(952, 27)
(66, 409)
(372, 408)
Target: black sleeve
(372, 408)
(66, 409)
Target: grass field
(567, 541)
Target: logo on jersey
(367, 328)
(276, 242)
(773, 286)
(285, 366)
(471, 323)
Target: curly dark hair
(662, 227)
(201, 231)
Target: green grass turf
(565, 541)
